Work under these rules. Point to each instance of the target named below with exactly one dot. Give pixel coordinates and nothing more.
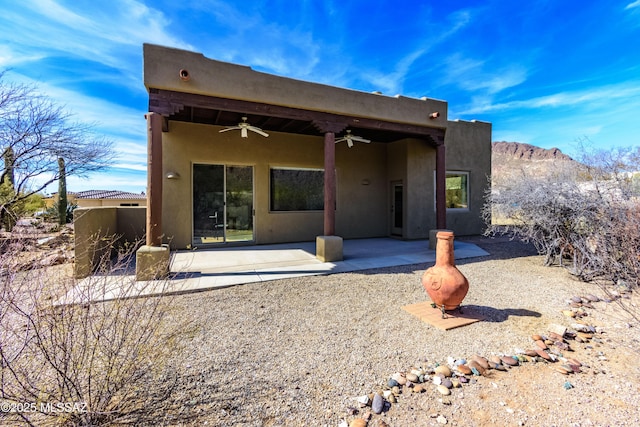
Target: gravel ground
(299, 352)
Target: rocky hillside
(512, 160)
(519, 151)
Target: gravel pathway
(299, 352)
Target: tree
(34, 134)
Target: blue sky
(548, 74)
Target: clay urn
(444, 283)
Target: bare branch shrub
(69, 360)
(584, 216)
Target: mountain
(512, 160)
(518, 150)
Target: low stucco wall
(95, 229)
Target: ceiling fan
(244, 127)
(351, 138)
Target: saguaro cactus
(62, 193)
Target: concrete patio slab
(221, 267)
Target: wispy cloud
(392, 82)
(591, 97)
(44, 28)
(633, 5)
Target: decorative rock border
(550, 348)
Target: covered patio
(222, 267)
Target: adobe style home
(99, 198)
(237, 156)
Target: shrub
(105, 362)
(585, 217)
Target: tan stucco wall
(468, 146)
(364, 176)
(361, 209)
(94, 227)
(215, 78)
(421, 161)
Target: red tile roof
(107, 194)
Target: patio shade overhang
(213, 110)
(219, 93)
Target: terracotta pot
(444, 283)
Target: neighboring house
(216, 178)
(97, 198)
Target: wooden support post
(154, 179)
(329, 184)
(441, 191)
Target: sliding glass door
(222, 204)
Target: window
(457, 190)
(297, 189)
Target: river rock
(400, 377)
(481, 361)
(592, 298)
(443, 370)
(377, 405)
(541, 344)
(499, 367)
(579, 327)
(412, 377)
(358, 422)
(475, 365)
(510, 361)
(447, 383)
(543, 354)
(363, 401)
(444, 390)
(495, 360)
(464, 369)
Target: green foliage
(52, 214)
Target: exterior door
(222, 204)
(397, 211)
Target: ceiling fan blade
(360, 139)
(258, 131)
(228, 129)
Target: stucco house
(238, 156)
(98, 198)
